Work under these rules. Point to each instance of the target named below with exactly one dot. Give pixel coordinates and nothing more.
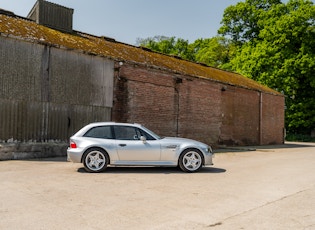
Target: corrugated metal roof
(30, 31)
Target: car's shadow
(154, 170)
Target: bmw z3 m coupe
(100, 144)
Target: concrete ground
(270, 188)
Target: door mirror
(142, 138)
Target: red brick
(175, 105)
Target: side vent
(52, 15)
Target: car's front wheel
(95, 160)
(190, 160)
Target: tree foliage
(242, 21)
(168, 45)
(216, 51)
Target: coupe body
(100, 144)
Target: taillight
(73, 145)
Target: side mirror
(143, 139)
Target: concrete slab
(260, 189)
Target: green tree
(241, 21)
(283, 57)
(168, 45)
(216, 51)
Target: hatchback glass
(104, 132)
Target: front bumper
(208, 158)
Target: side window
(104, 132)
(126, 133)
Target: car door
(131, 149)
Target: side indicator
(171, 146)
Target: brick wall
(199, 110)
(146, 97)
(174, 105)
(240, 117)
(272, 119)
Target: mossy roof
(22, 28)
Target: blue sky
(127, 20)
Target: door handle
(122, 145)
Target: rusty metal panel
(48, 93)
(44, 121)
(82, 79)
(21, 120)
(20, 71)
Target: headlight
(210, 149)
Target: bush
(299, 137)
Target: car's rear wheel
(190, 160)
(95, 160)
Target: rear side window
(104, 132)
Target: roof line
(114, 50)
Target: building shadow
(286, 145)
(47, 159)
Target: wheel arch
(95, 147)
(188, 149)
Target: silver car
(98, 145)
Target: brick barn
(54, 80)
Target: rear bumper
(74, 155)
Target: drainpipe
(176, 88)
(177, 111)
(260, 118)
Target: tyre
(95, 160)
(190, 160)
